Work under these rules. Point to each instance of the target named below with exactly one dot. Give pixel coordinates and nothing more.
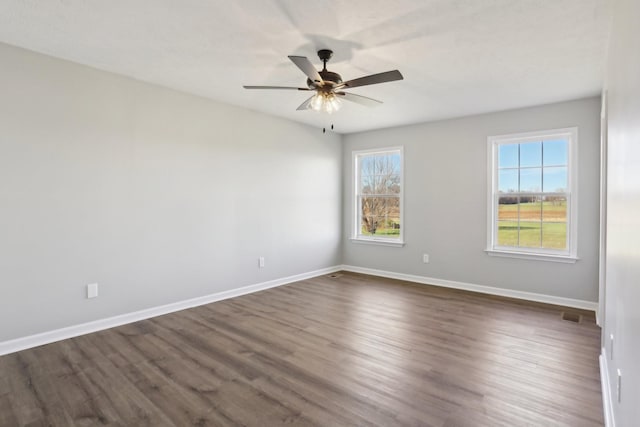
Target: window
(533, 200)
(378, 196)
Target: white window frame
(570, 254)
(356, 236)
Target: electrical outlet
(92, 290)
(611, 346)
(619, 386)
(261, 262)
(425, 258)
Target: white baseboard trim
(607, 403)
(31, 341)
(529, 296)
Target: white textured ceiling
(458, 57)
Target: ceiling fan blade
(307, 67)
(305, 104)
(388, 76)
(276, 87)
(359, 99)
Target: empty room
(331, 213)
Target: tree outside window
(378, 194)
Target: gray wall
(161, 196)
(156, 195)
(622, 296)
(446, 202)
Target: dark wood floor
(356, 350)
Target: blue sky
(536, 166)
(376, 166)
(367, 162)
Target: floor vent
(571, 317)
(334, 275)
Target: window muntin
(532, 193)
(378, 195)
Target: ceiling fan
(329, 86)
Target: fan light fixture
(328, 86)
(325, 101)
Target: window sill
(380, 242)
(566, 259)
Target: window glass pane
(531, 180)
(371, 206)
(393, 184)
(369, 222)
(379, 185)
(507, 233)
(394, 162)
(529, 234)
(390, 227)
(531, 196)
(555, 179)
(554, 209)
(554, 235)
(508, 208)
(383, 214)
(369, 225)
(380, 216)
(555, 152)
(508, 156)
(393, 208)
(386, 164)
(368, 184)
(382, 164)
(375, 164)
(388, 184)
(531, 154)
(530, 208)
(508, 180)
(367, 165)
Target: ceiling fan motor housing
(327, 76)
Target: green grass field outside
(552, 235)
(542, 225)
(388, 232)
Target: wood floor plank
(7, 413)
(352, 350)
